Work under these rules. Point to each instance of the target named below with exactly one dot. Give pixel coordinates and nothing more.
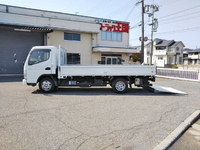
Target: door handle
(47, 68)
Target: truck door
(39, 63)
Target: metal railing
(179, 74)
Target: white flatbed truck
(47, 66)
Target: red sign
(117, 27)
(145, 39)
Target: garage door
(19, 43)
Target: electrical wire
(180, 12)
(164, 23)
(168, 2)
(130, 12)
(135, 26)
(98, 6)
(180, 31)
(175, 31)
(180, 16)
(121, 9)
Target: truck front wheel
(120, 85)
(46, 85)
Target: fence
(192, 75)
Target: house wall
(83, 47)
(147, 51)
(179, 59)
(42, 18)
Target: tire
(46, 85)
(120, 85)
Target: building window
(160, 58)
(160, 47)
(177, 48)
(72, 36)
(111, 59)
(111, 36)
(73, 58)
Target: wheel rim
(120, 86)
(46, 85)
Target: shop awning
(120, 50)
(25, 28)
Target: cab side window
(38, 56)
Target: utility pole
(142, 38)
(142, 30)
(154, 26)
(151, 52)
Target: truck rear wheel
(120, 85)
(46, 85)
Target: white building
(191, 56)
(164, 52)
(88, 40)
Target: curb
(178, 131)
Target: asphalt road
(91, 118)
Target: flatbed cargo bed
(106, 70)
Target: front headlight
(25, 75)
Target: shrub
(174, 66)
(171, 66)
(135, 58)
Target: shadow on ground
(101, 91)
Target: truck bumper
(24, 81)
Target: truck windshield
(38, 56)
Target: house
(164, 52)
(191, 56)
(88, 40)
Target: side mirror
(15, 58)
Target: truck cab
(40, 62)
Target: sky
(178, 20)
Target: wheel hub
(46, 85)
(120, 86)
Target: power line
(180, 16)
(180, 20)
(168, 2)
(120, 9)
(180, 31)
(130, 12)
(96, 7)
(136, 25)
(180, 12)
(175, 31)
(163, 1)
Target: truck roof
(43, 47)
